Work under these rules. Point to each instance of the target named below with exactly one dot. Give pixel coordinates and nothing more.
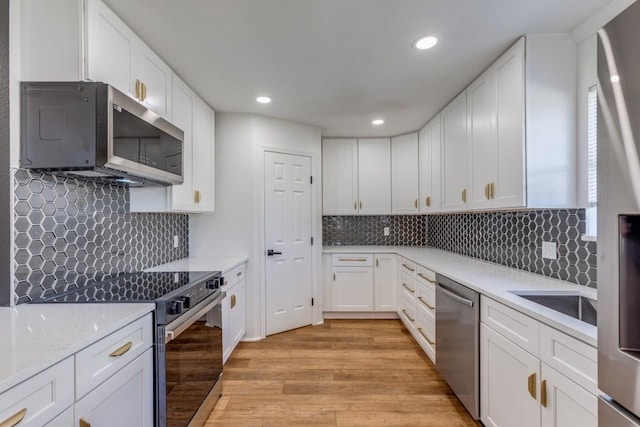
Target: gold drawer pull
(360, 204)
(415, 203)
(426, 337)
(407, 314)
(14, 419)
(464, 196)
(352, 259)
(492, 190)
(408, 268)
(486, 192)
(143, 92)
(428, 201)
(137, 88)
(196, 196)
(426, 303)
(543, 393)
(408, 288)
(426, 278)
(84, 423)
(531, 385)
(233, 301)
(122, 350)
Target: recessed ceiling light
(263, 99)
(425, 43)
(377, 122)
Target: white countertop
(494, 281)
(222, 264)
(36, 336)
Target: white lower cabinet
(520, 388)
(385, 282)
(124, 400)
(352, 289)
(233, 311)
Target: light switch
(386, 231)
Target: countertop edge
(199, 263)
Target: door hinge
(311, 179)
(311, 241)
(311, 302)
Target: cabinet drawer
(102, 359)
(407, 309)
(233, 276)
(408, 266)
(576, 360)
(426, 299)
(426, 335)
(517, 327)
(408, 285)
(41, 398)
(352, 260)
(425, 275)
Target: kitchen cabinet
(430, 166)
(233, 310)
(197, 192)
(385, 282)
(352, 289)
(455, 154)
(374, 176)
(340, 176)
(125, 399)
(547, 377)
(404, 174)
(72, 40)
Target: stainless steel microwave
(93, 131)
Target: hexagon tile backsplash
(68, 233)
(513, 239)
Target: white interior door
(288, 235)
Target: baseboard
(360, 315)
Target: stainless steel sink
(574, 305)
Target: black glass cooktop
(132, 287)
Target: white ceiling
(338, 64)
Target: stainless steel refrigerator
(619, 220)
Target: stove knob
(186, 301)
(214, 283)
(176, 307)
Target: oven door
(189, 365)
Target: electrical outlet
(176, 241)
(386, 231)
(549, 250)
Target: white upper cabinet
(374, 176)
(455, 154)
(404, 174)
(430, 166)
(155, 80)
(340, 176)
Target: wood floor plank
(341, 373)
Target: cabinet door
(352, 289)
(374, 176)
(481, 113)
(203, 157)
(567, 404)
(124, 400)
(155, 78)
(510, 173)
(505, 370)
(183, 98)
(385, 282)
(225, 321)
(339, 176)
(430, 167)
(237, 313)
(455, 154)
(110, 48)
(404, 174)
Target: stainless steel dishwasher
(458, 340)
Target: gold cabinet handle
(407, 314)
(377, 262)
(352, 259)
(137, 89)
(196, 196)
(531, 385)
(334, 277)
(84, 423)
(143, 91)
(14, 419)
(492, 190)
(355, 206)
(407, 267)
(239, 273)
(543, 393)
(415, 203)
(428, 201)
(233, 301)
(464, 195)
(408, 288)
(426, 278)
(360, 204)
(426, 303)
(486, 192)
(226, 282)
(122, 350)
(425, 336)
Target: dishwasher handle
(455, 296)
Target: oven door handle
(178, 326)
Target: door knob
(271, 252)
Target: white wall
(236, 227)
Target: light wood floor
(342, 373)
